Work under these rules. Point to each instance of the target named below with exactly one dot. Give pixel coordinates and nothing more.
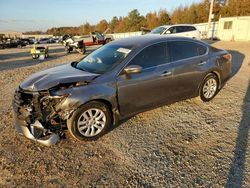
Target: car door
(189, 61)
(185, 32)
(137, 92)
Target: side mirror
(168, 32)
(132, 69)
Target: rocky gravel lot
(186, 144)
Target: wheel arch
(216, 73)
(107, 103)
(218, 76)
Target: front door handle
(202, 63)
(166, 73)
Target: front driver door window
(172, 30)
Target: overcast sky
(26, 15)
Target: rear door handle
(202, 63)
(166, 73)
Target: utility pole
(210, 17)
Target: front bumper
(27, 123)
(36, 132)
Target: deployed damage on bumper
(39, 116)
(40, 103)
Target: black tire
(83, 50)
(107, 41)
(68, 49)
(205, 96)
(46, 55)
(33, 56)
(72, 122)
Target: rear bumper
(36, 132)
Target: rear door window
(185, 49)
(151, 56)
(181, 29)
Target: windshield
(158, 30)
(103, 59)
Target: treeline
(134, 21)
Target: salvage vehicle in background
(180, 30)
(38, 51)
(116, 81)
(96, 38)
(72, 44)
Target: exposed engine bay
(41, 114)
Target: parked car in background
(181, 30)
(56, 40)
(20, 43)
(52, 40)
(14, 43)
(2, 45)
(43, 41)
(33, 41)
(116, 81)
(27, 41)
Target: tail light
(228, 57)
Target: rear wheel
(209, 87)
(90, 121)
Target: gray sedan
(118, 80)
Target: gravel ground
(186, 144)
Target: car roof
(167, 26)
(145, 40)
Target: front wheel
(90, 121)
(35, 56)
(209, 88)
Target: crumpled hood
(54, 76)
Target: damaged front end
(39, 116)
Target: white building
(213, 31)
(234, 29)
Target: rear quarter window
(185, 49)
(191, 28)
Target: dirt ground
(186, 144)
